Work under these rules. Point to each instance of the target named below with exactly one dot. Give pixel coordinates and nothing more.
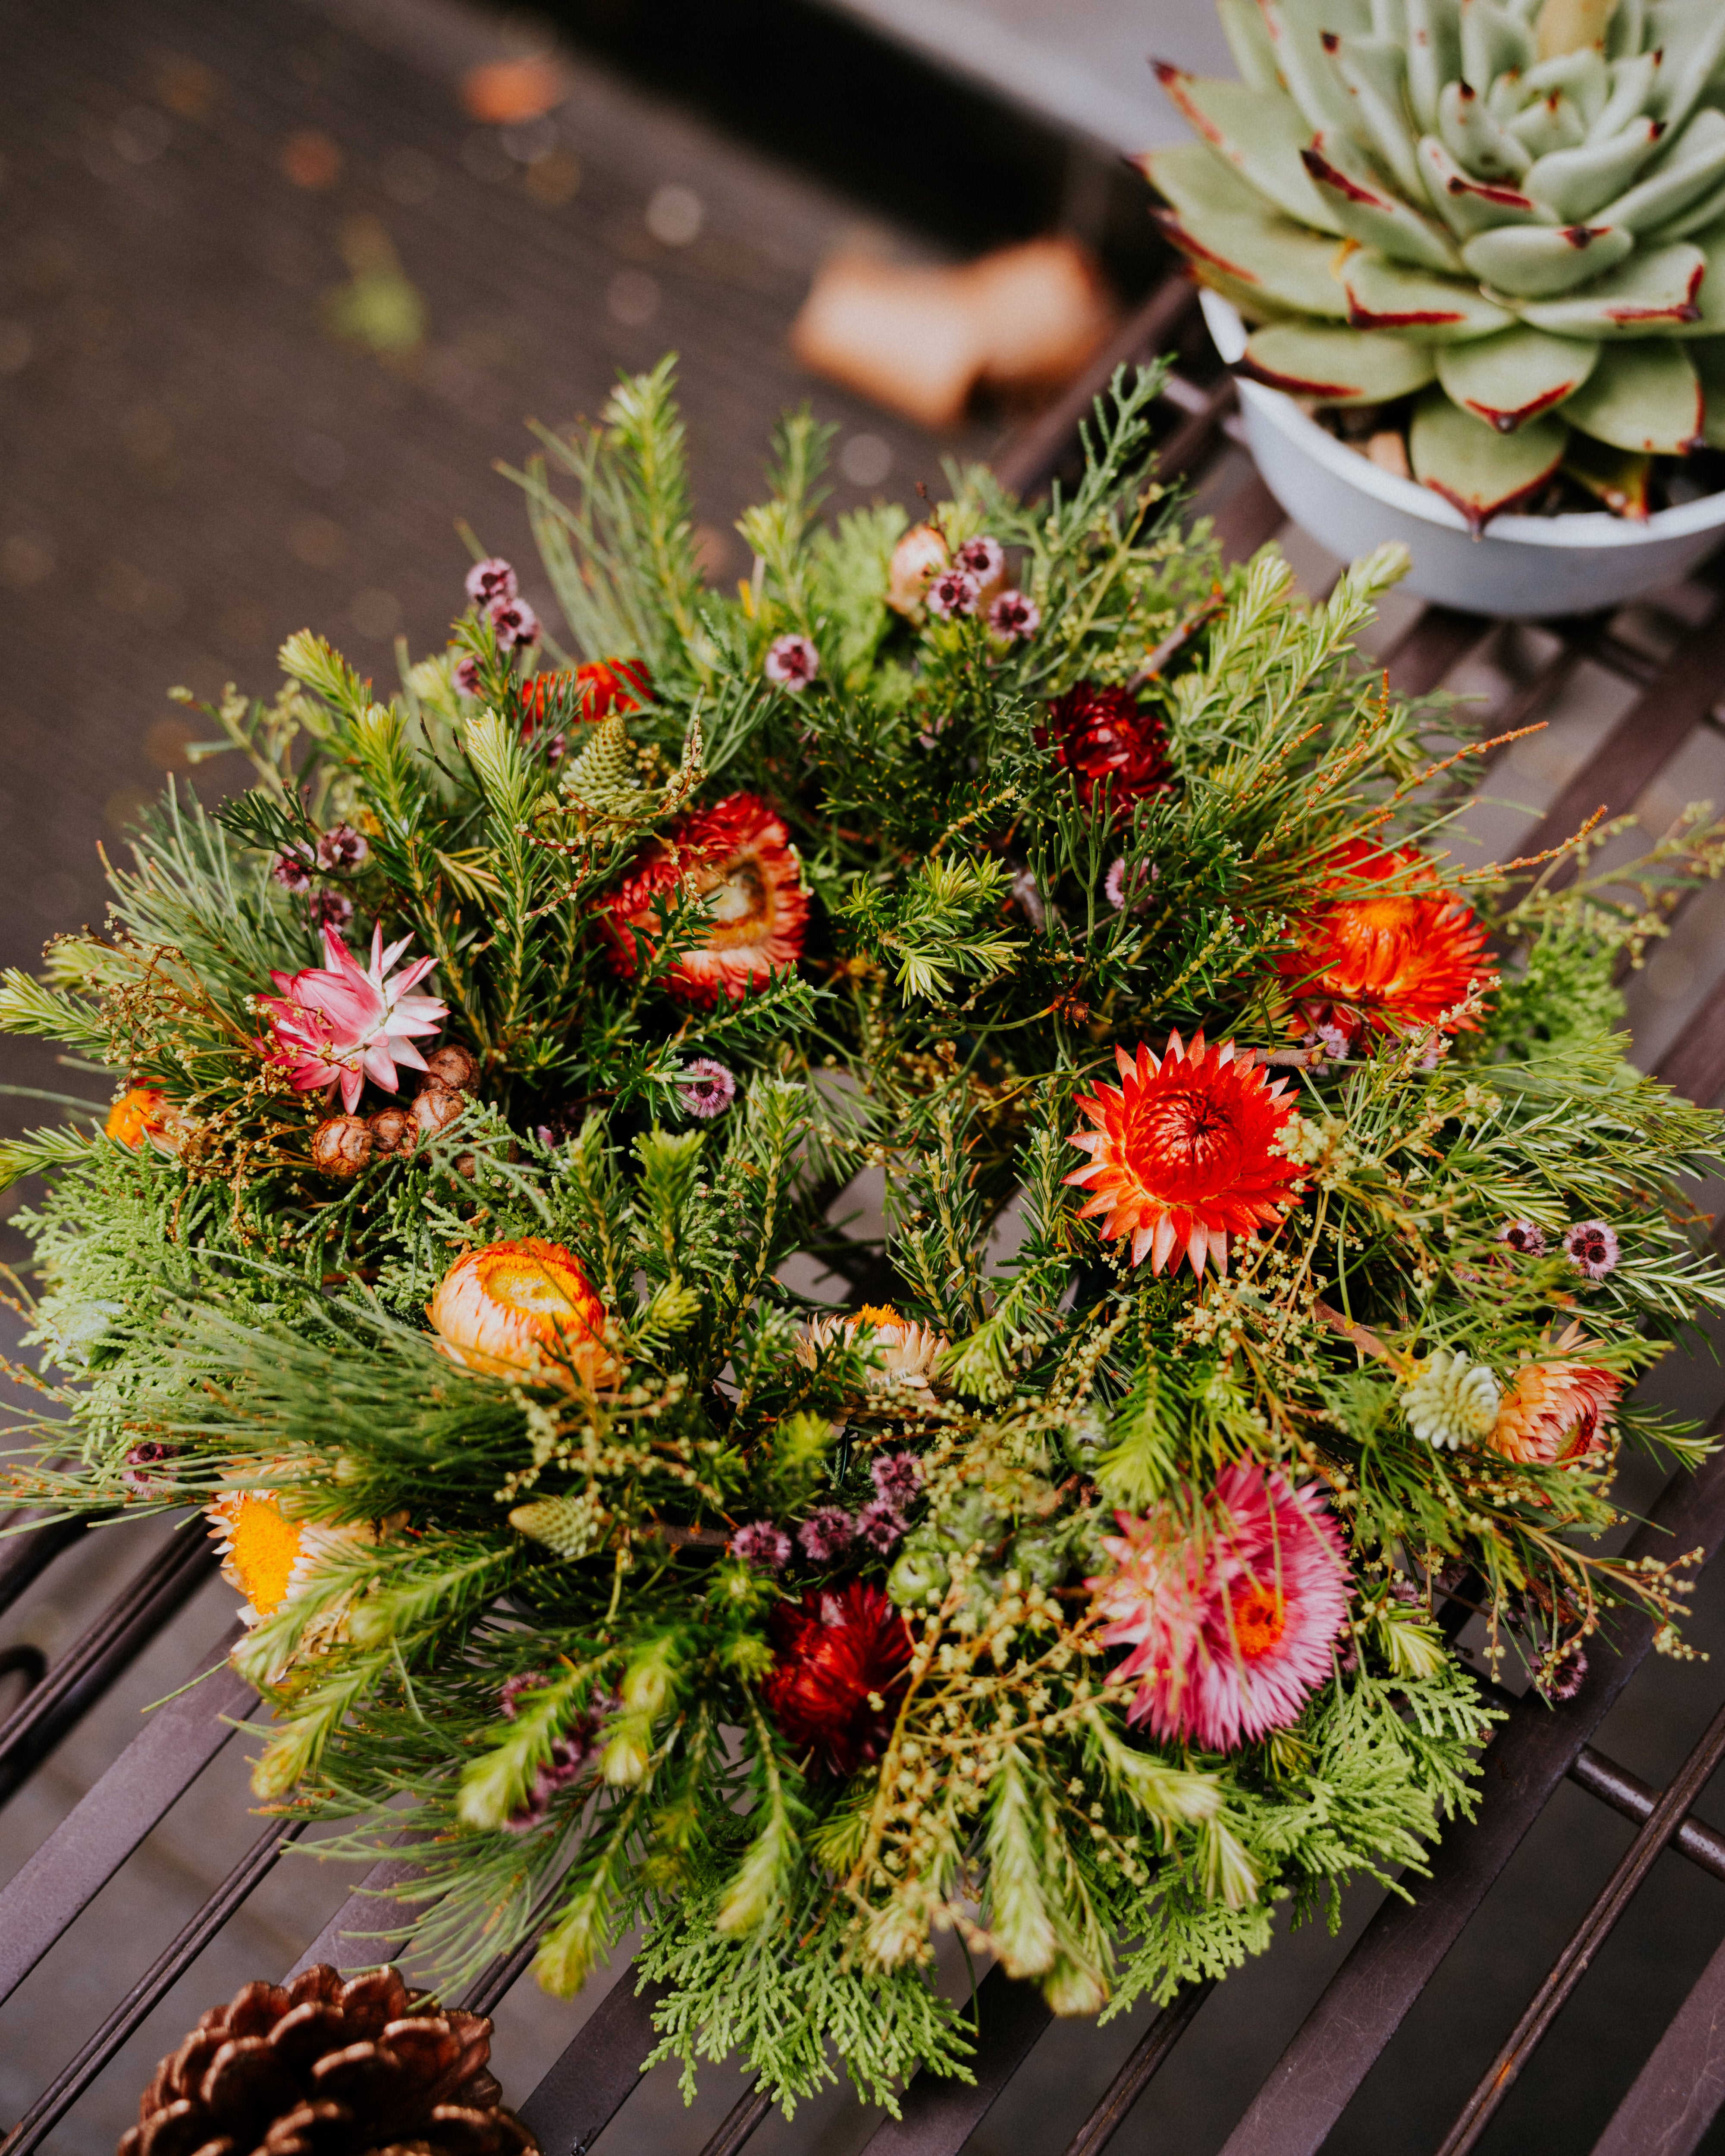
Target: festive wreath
(1274, 1229)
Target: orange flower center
(135, 1115)
(528, 1285)
(1259, 1617)
(1183, 1144)
(265, 1548)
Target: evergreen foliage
(538, 1604)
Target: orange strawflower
(1400, 957)
(1182, 1154)
(1555, 1411)
(738, 857)
(522, 1310)
(139, 1113)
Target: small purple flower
(760, 1544)
(330, 909)
(292, 869)
(955, 592)
(1526, 1236)
(792, 661)
(138, 1474)
(1592, 1246)
(1435, 1050)
(897, 1476)
(704, 1087)
(881, 1525)
(1567, 1672)
(982, 557)
(343, 848)
(515, 623)
(1332, 1040)
(467, 675)
(828, 1532)
(1014, 616)
(572, 1755)
(514, 1686)
(493, 578)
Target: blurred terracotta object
(903, 338)
(1043, 310)
(508, 90)
(920, 341)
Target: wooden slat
(1644, 740)
(939, 2117)
(1678, 2093)
(111, 1820)
(597, 2072)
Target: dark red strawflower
(839, 1650)
(1100, 733)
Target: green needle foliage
(651, 1590)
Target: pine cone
(318, 2067)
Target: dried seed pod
(437, 1107)
(454, 1066)
(340, 1145)
(393, 1130)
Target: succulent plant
(1512, 214)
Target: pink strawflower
(1230, 1610)
(956, 593)
(514, 622)
(706, 1087)
(341, 1024)
(493, 578)
(792, 661)
(1014, 616)
(1114, 884)
(1593, 1249)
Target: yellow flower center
(878, 1314)
(526, 1285)
(263, 1548)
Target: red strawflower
(601, 686)
(843, 1656)
(1384, 958)
(1182, 1154)
(738, 857)
(1101, 734)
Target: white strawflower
(1450, 1400)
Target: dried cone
(340, 1145)
(454, 1066)
(318, 2067)
(393, 1130)
(435, 1108)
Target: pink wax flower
(956, 593)
(516, 624)
(791, 661)
(1014, 616)
(341, 1024)
(493, 578)
(1230, 1610)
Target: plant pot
(1520, 566)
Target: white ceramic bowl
(1521, 565)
